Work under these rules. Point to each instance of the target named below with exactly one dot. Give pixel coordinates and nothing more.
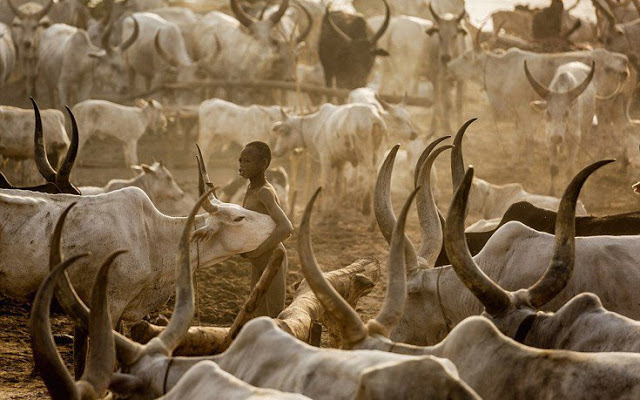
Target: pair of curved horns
(38, 15)
(352, 327)
(545, 92)
(376, 36)
(495, 299)
(106, 36)
(247, 20)
(437, 18)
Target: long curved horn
(134, 36)
(618, 89)
(396, 295)
(537, 86)
(276, 16)
(353, 330)
(577, 91)
(560, 268)
(16, 10)
(495, 299)
(66, 295)
(424, 155)
(203, 179)
(102, 355)
(457, 160)
(45, 355)
(636, 3)
(385, 24)
(184, 305)
(303, 35)
(383, 209)
(430, 226)
(340, 32)
(43, 11)
(105, 40)
(241, 15)
(436, 17)
(64, 172)
(166, 57)
(477, 43)
(607, 14)
(39, 150)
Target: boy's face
(250, 163)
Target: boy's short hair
(263, 150)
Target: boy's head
(255, 158)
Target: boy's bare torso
(252, 201)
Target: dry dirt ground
(339, 241)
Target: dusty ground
(221, 290)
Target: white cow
(493, 365)
(186, 20)
(220, 120)
(125, 218)
(157, 182)
(7, 53)
(17, 126)
(396, 117)
(126, 124)
(569, 106)
(437, 301)
(409, 49)
(491, 201)
(336, 135)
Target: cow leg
(324, 166)
(460, 86)
(435, 110)
(446, 106)
(79, 350)
(131, 153)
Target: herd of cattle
(536, 300)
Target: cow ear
(45, 22)
(539, 105)
(462, 31)
(431, 31)
(147, 169)
(140, 103)
(380, 53)
(136, 168)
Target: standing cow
(126, 124)
(7, 53)
(337, 135)
(347, 49)
(29, 22)
(569, 107)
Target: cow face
(155, 116)
(288, 137)
(159, 182)
(467, 66)
(448, 28)
(30, 19)
(399, 120)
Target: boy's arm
(283, 227)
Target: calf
(126, 124)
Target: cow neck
(167, 236)
(458, 307)
(484, 72)
(447, 321)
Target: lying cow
(582, 324)
(223, 121)
(335, 374)
(157, 182)
(126, 124)
(475, 343)
(432, 309)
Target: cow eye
(238, 219)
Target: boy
(261, 197)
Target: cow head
(158, 182)
(177, 70)
(153, 111)
(275, 35)
(399, 120)
(357, 53)
(509, 309)
(30, 19)
(111, 65)
(557, 106)
(448, 28)
(288, 135)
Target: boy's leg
(272, 303)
